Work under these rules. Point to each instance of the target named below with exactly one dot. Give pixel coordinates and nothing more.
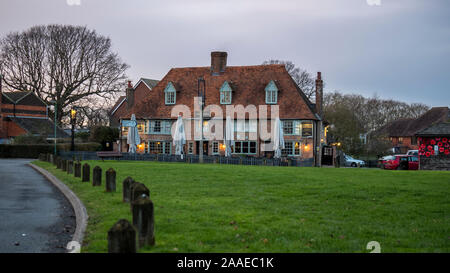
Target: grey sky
(399, 49)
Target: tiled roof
(248, 84)
(439, 129)
(149, 82)
(409, 127)
(118, 102)
(16, 95)
(39, 126)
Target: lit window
(170, 94)
(271, 93)
(225, 93)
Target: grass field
(228, 208)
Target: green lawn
(227, 208)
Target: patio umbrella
(133, 138)
(179, 139)
(229, 136)
(278, 138)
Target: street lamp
(54, 120)
(73, 116)
(201, 88)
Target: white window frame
(271, 93)
(226, 90)
(170, 91)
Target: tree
(62, 63)
(301, 77)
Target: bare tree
(62, 63)
(302, 78)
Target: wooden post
(69, 167)
(126, 189)
(122, 237)
(138, 189)
(64, 165)
(86, 173)
(97, 176)
(110, 180)
(77, 167)
(58, 162)
(143, 220)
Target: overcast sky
(398, 49)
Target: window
(307, 129)
(162, 127)
(225, 93)
(142, 126)
(400, 140)
(246, 126)
(215, 147)
(288, 127)
(271, 93)
(190, 148)
(245, 147)
(160, 147)
(170, 94)
(291, 149)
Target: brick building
(24, 113)
(402, 132)
(140, 90)
(434, 146)
(229, 86)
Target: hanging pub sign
(129, 123)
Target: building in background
(402, 132)
(24, 113)
(434, 146)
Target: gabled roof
(409, 126)
(39, 126)
(149, 82)
(16, 95)
(117, 105)
(247, 82)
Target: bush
(29, 139)
(33, 150)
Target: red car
(394, 162)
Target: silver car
(351, 162)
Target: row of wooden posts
(123, 237)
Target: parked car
(400, 162)
(351, 162)
(413, 152)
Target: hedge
(33, 150)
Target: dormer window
(225, 93)
(170, 93)
(271, 93)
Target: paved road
(34, 216)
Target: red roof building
(260, 87)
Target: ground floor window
(291, 148)
(190, 148)
(160, 147)
(215, 147)
(245, 147)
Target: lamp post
(55, 109)
(73, 116)
(201, 94)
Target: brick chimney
(218, 62)
(319, 94)
(130, 95)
